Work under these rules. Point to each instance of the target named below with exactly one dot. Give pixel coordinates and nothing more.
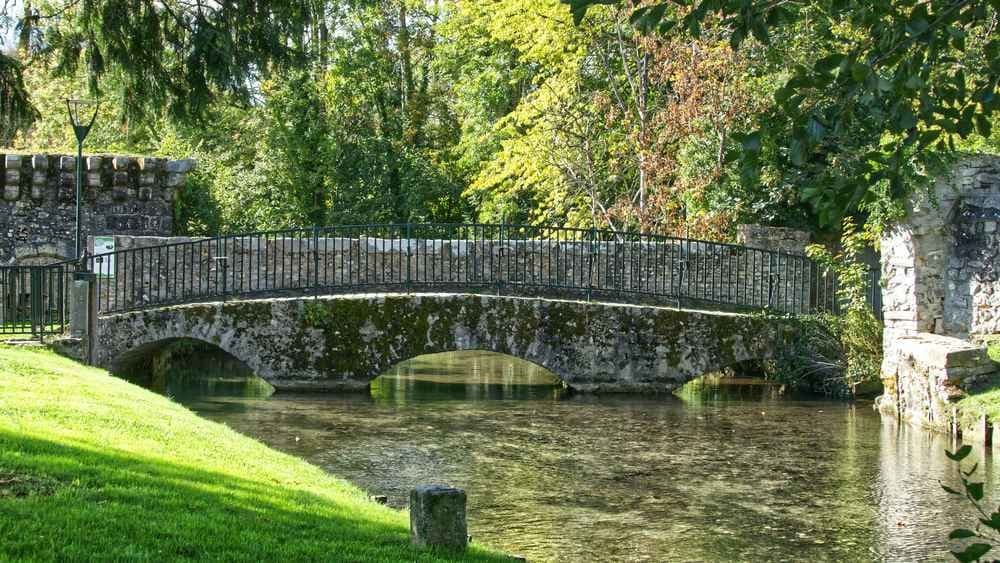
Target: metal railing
(34, 299)
(503, 259)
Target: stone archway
(42, 253)
(343, 342)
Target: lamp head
(82, 114)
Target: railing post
(409, 256)
(221, 263)
(592, 234)
(315, 253)
(499, 261)
(225, 276)
(215, 260)
(35, 301)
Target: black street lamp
(78, 112)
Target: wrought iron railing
(34, 299)
(506, 259)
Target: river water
(726, 470)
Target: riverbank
(985, 402)
(92, 466)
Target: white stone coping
(419, 295)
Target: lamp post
(78, 116)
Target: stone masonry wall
(941, 267)
(121, 195)
(331, 343)
(191, 269)
(941, 276)
(773, 238)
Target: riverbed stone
(437, 517)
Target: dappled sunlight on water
(725, 470)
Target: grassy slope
(92, 466)
(986, 402)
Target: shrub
(838, 354)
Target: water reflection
(719, 472)
(470, 375)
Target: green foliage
(979, 541)
(852, 273)
(814, 360)
(860, 333)
(165, 56)
(838, 354)
(16, 110)
(885, 81)
(983, 399)
(357, 112)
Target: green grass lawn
(92, 467)
(986, 402)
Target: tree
(887, 81)
(612, 129)
(165, 55)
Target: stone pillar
(437, 517)
(79, 308)
(941, 274)
(83, 312)
(941, 264)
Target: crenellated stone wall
(941, 276)
(121, 195)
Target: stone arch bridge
(342, 342)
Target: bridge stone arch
(343, 342)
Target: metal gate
(34, 299)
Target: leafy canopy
(165, 54)
(889, 79)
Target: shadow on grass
(116, 505)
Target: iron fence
(495, 258)
(34, 299)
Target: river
(727, 469)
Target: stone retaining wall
(926, 373)
(773, 238)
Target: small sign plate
(104, 266)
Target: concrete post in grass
(83, 312)
(79, 308)
(437, 517)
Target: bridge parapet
(154, 271)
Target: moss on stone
(334, 341)
(250, 313)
